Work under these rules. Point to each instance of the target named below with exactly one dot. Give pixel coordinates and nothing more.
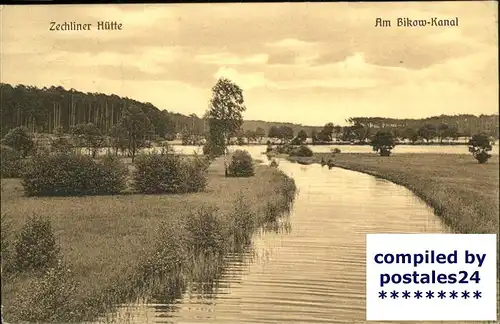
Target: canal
(310, 271)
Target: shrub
(482, 157)
(288, 188)
(158, 174)
(241, 164)
(271, 211)
(114, 174)
(274, 164)
(11, 162)
(206, 232)
(479, 146)
(212, 150)
(284, 149)
(19, 139)
(383, 142)
(196, 174)
(169, 174)
(302, 151)
(243, 223)
(336, 150)
(330, 164)
(169, 253)
(35, 247)
(68, 174)
(48, 298)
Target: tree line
(362, 130)
(45, 110)
(130, 132)
(55, 109)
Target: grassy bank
(113, 245)
(463, 192)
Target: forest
(44, 110)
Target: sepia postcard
(225, 162)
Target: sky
(307, 63)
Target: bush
(383, 142)
(19, 139)
(11, 162)
(169, 174)
(243, 224)
(274, 164)
(302, 151)
(158, 174)
(330, 164)
(169, 254)
(284, 149)
(211, 150)
(281, 202)
(196, 174)
(271, 211)
(336, 150)
(482, 157)
(114, 174)
(241, 164)
(48, 298)
(68, 174)
(35, 247)
(206, 232)
(479, 146)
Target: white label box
(431, 277)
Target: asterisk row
(429, 294)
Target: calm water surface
(436, 149)
(314, 272)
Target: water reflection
(166, 302)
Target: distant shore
(178, 142)
(339, 144)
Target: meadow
(106, 241)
